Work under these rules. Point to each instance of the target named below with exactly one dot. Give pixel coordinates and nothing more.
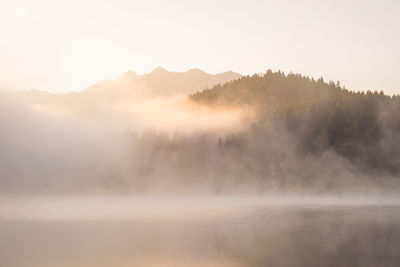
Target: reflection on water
(205, 231)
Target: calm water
(121, 232)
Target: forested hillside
(364, 128)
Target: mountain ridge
(163, 82)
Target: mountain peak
(229, 73)
(159, 70)
(195, 70)
(129, 75)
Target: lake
(199, 231)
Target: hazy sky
(69, 45)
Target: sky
(63, 46)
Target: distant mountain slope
(130, 89)
(162, 82)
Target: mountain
(161, 82)
(128, 90)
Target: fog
(169, 209)
(154, 144)
(135, 136)
(126, 173)
(100, 139)
(50, 145)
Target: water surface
(199, 231)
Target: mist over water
(167, 208)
